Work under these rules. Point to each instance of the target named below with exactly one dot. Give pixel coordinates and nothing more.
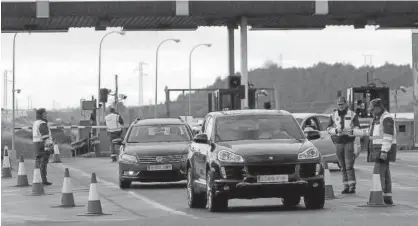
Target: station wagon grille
(160, 159)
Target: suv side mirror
(201, 138)
(312, 134)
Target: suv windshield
(257, 127)
(158, 133)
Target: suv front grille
(271, 170)
(234, 172)
(164, 159)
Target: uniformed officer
(382, 145)
(340, 127)
(42, 141)
(114, 123)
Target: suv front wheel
(195, 200)
(215, 203)
(315, 199)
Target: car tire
(291, 201)
(124, 184)
(195, 200)
(215, 203)
(315, 198)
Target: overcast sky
(63, 67)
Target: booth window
(402, 128)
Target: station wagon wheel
(214, 203)
(194, 200)
(124, 184)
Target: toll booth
(365, 94)
(230, 99)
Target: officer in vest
(114, 123)
(382, 145)
(341, 124)
(42, 142)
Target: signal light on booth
(104, 93)
(234, 81)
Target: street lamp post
(190, 74)
(100, 71)
(13, 93)
(156, 72)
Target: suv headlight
(128, 158)
(227, 156)
(310, 153)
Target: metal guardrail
(68, 127)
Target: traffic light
(234, 81)
(103, 95)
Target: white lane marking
(143, 198)
(160, 206)
(397, 164)
(6, 217)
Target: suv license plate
(159, 167)
(272, 178)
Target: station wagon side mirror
(201, 138)
(312, 134)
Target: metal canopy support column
(415, 82)
(244, 60)
(231, 50)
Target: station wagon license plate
(159, 167)
(272, 178)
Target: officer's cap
(375, 103)
(341, 100)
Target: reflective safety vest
(381, 140)
(112, 123)
(348, 120)
(36, 133)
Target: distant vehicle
(319, 122)
(240, 153)
(154, 150)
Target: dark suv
(249, 154)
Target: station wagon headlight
(128, 158)
(310, 153)
(227, 156)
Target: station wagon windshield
(257, 127)
(158, 133)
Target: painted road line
(141, 197)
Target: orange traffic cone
(94, 206)
(329, 190)
(56, 157)
(376, 194)
(6, 170)
(67, 197)
(37, 186)
(22, 177)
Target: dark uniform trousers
(345, 155)
(112, 136)
(383, 168)
(43, 160)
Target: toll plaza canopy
(44, 15)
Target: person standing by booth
(114, 124)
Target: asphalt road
(166, 204)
